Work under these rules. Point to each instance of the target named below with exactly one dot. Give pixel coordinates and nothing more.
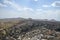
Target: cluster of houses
(42, 34)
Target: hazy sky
(37, 9)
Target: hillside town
(31, 30)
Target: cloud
(39, 9)
(54, 4)
(13, 5)
(2, 5)
(47, 14)
(45, 5)
(16, 6)
(36, 0)
(26, 9)
(36, 14)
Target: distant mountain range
(16, 19)
(11, 19)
